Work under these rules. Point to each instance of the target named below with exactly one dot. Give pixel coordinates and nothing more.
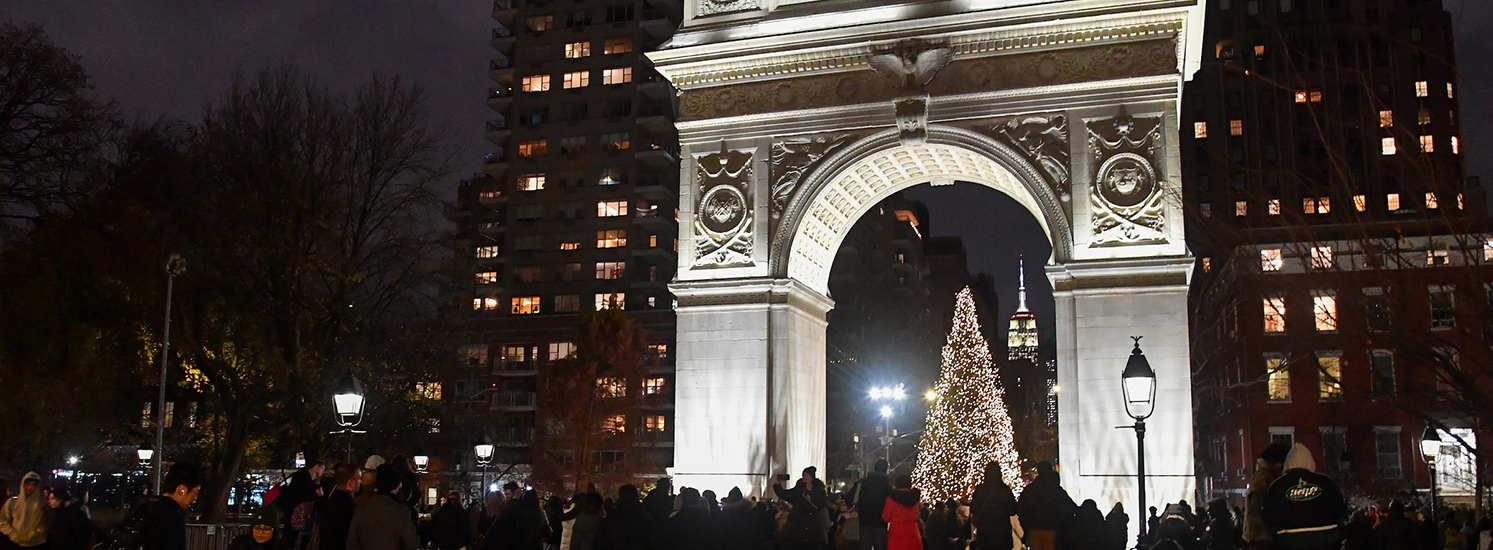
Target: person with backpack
(160, 523)
(261, 535)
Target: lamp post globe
(422, 463)
(484, 454)
(145, 455)
(348, 400)
(1430, 448)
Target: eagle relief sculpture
(912, 65)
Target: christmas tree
(969, 426)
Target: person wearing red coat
(901, 516)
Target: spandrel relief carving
(723, 213)
(792, 159)
(1127, 195)
(1043, 140)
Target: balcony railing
(501, 32)
(514, 437)
(497, 124)
(513, 399)
(499, 62)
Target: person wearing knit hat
(261, 535)
(373, 462)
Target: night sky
(170, 57)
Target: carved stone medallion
(723, 213)
(1126, 196)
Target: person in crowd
(901, 515)
(1085, 531)
(739, 527)
(1267, 468)
(580, 531)
(1358, 534)
(1220, 533)
(261, 535)
(1117, 528)
(808, 519)
(295, 501)
(990, 509)
(163, 518)
(660, 501)
(628, 527)
(335, 511)
(554, 513)
(448, 525)
(1394, 532)
(692, 528)
(1153, 524)
(23, 517)
(1427, 535)
(69, 527)
(1302, 508)
(1175, 528)
(871, 497)
(935, 528)
(1484, 534)
(1044, 508)
(1452, 529)
(712, 504)
(382, 522)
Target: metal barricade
(213, 536)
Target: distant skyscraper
(1021, 337)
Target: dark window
(619, 13)
(537, 115)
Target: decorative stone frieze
(724, 212)
(1126, 196)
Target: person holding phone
(808, 520)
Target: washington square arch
(797, 116)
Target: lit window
(1259, 50)
(614, 424)
(429, 390)
(1360, 203)
(561, 350)
(540, 23)
(620, 75)
(525, 305)
(608, 209)
(1241, 208)
(1275, 314)
(1428, 144)
(609, 300)
(1309, 205)
(1438, 257)
(610, 387)
(610, 176)
(1206, 209)
(1431, 203)
(1301, 97)
(1425, 116)
(1278, 379)
(570, 246)
(1324, 309)
(1387, 146)
(487, 277)
(653, 241)
(531, 182)
(1324, 205)
(1456, 146)
(1273, 207)
(617, 141)
(486, 303)
(1450, 91)
(1386, 119)
(575, 50)
(653, 423)
(1488, 250)
(578, 79)
(1322, 257)
(567, 303)
(1421, 89)
(617, 45)
(610, 270)
(1392, 201)
(1330, 371)
(536, 83)
(1270, 259)
(1207, 265)
(487, 251)
(1316, 96)
(653, 386)
(533, 148)
(1236, 127)
(1199, 129)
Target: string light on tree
(969, 425)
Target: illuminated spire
(1021, 274)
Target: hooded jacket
(23, 517)
(991, 509)
(1303, 508)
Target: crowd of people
(375, 506)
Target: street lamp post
(886, 440)
(143, 455)
(175, 265)
(422, 464)
(1139, 384)
(1430, 447)
(484, 459)
(889, 393)
(348, 401)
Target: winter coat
(990, 511)
(1044, 505)
(382, 523)
(448, 527)
(628, 527)
(1394, 532)
(901, 517)
(808, 519)
(739, 527)
(873, 492)
(1303, 508)
(1085, 531)
(23, 518)
(164, 524)
(1116, 529)
(1254, 498)
(70, 528)
(580, 533)
(333, 518)
(692, 529)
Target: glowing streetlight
(932, 395)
